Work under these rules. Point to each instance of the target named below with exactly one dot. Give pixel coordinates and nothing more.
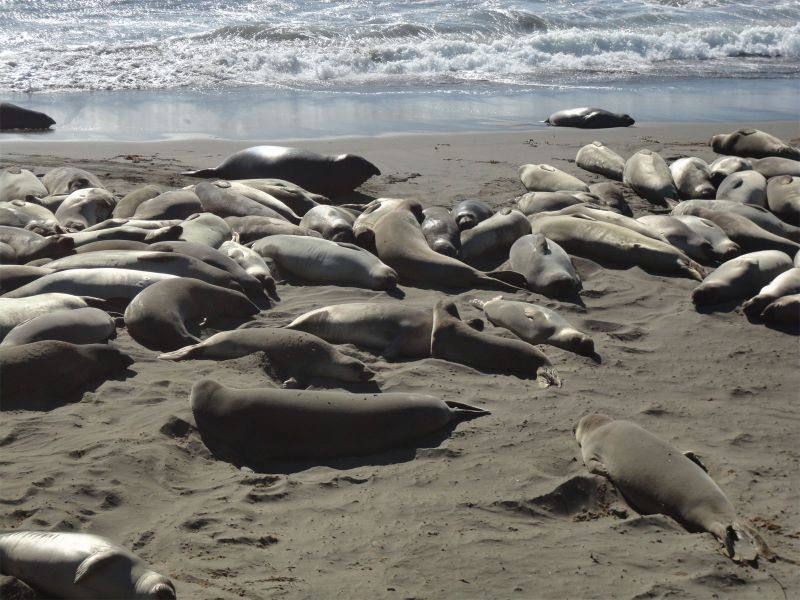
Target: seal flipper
(465, 412)
(201, 173)
(97, 561)
(695, 459)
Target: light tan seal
(655, 477)
(79, 565)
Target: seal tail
(179, 354)
(547, 377)
(201, 173)
(465, 412)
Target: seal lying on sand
(16, 117)
(87, 325)
(253, 426)
(655, 477)
(589, 118)
(752, 143)
(18, 184)
(741, 277)
(79, 565)
(327, 175)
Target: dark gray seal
(547, 269)
(589, 118)
(157, 317)
(79, 565)
(328, 175)
(13, 117)
(254, 426)
(654, 477)
(468, 213)
(441, 231)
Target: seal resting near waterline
(589, 118)
(317, 173)
(253, 426)
(17, 117)
(654, 477)
(79, 565)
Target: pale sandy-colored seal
(599, 158)
(785, 284)
(173, 204)
(494, 235)
(87, 325)
(37, 374)
(537, 202)
(692, 177)
(300, 201)
(536, 325)
(547, 269)
(323, 261)
(468, 213)
(332, 222)
(14, 276)
(29, 246)
(128, 204)
(400, 243)
(328, 175)
(441, 231)
(293, 356)
(225, 202)
(254, 426)
(724, 248)
(393, 328)
(158, 317)
(13, 117)
(752, 143)
(783, 312)
(127, 233)
(84, 208)
(253, 228)
(683, 237)
(608, 216)
(655, 477)
(65, 180)
(18, 184)
(206, 228)
(79, 565)
(14, 311)
(260, 196)
(33, 217)
(611, 196)
(546, 178)
(649, 176)
(783, 197)
(601, 241)
(757, 214)
(775, 166)
(725, 165)
(454, 340)
(747, 187)
(252, 263)
(589, 118)
(741, 277)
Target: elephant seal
(13, 117)
(29, 246)
(18, 184)
(157, 317)
(783, 198)
(254, 426)
(536, 325)
(253, 265)
(726, 165)
(757, 214)
(692, 178)
(298, 200)
(124, 233)
(65, 180)
(724, 248)
(455, 341)
(589, 118)
(611, 196)
(77, 326)
(363, 228)
(85, 207)
(14, 311)
(599, 158)
(325, 262)
(205, 228)
(747, 187)
(547, 269)
(537, 202)
(327, 175)
(468, 213)
(79, 565)
(260, 196)
(104, 283)
(752, 143)
(494, 235)
(227, 203)
(609, 216)
(785, 284)
(33, 374)
(598, 240)
(394, 329)
(683, 237)
(775, 166)
(128, 204)
(441, 231)
(253, 228)
(649, 176)
(400, 243)
(546, 178)
(783, 312)
(741, 277)
(14, 276)
(293, 356)
(32, 217)
(173, 204)
(332, 222)
(655, 477)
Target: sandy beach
(503, 507)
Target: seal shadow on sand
(41, 403)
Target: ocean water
(411, 56)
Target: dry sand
(504, 507)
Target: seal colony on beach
(306, 335)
